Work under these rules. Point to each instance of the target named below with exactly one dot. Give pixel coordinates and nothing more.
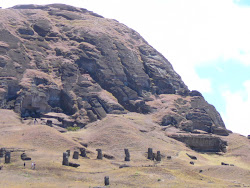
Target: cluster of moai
(66, 156)
(151, 156)
(154, 156)
(6, 154)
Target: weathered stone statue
(106, 180)
(158, 156)
(76, 155)
(150, 154)
(65, 159)
(68, 151)
(74, 164)
(7, 157)
(127, 155)
(49, 123)
(2, 152)
(83, 152)
(99, 154)
(24, 157)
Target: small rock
(124, 166)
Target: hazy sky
(207, 42)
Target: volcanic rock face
(58, 58)
(202, 143)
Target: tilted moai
(7, 157)
(24, 157)
(99, 154)
(65, 159)
(150, 154)
(83, 152)
(158, 156)
(127, 155)
(74, 164)
(106, 180)
(75, 155)
(68, 151)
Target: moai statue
(7, 157)
(83, 152)
(150, 154)
(106, 180)
(65, 159)
(158, 156)
(49, 123)
(68, 151)
(127, 155)
(2, 151)
(75, 155)
(99, 155)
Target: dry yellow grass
(112, 134)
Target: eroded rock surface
(202, 143)
(62, 59)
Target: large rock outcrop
(202, 143)
(58, 58)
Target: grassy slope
(134, 131)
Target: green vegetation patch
(73, 128)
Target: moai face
(99, 154)
(65, 159)
(7, 157)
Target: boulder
(168, 120)
(219, 131)
(42, 27)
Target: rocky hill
(62, 59)
(71, 80)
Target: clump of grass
(73, 128)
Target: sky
(207, 42)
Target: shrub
(73, 128)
